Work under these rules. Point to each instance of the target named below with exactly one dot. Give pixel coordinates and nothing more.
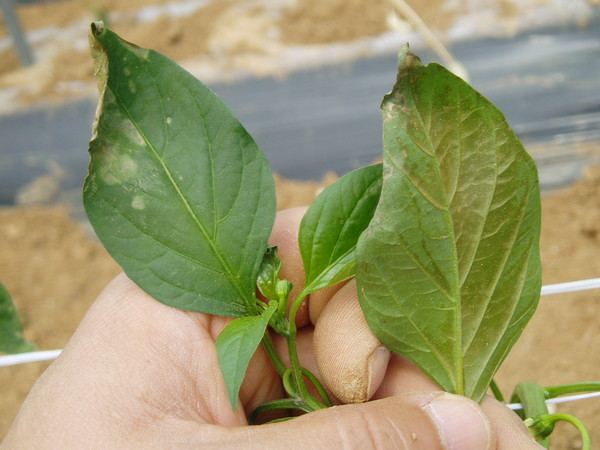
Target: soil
(223, 40)
(55, 269)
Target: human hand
(137, 373)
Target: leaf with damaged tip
(449, 269)
(177, 191)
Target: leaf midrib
(332, 263)
(457, 354)
(434, 351)
(346, 223)
(213, 245)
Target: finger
(509, 427)
(419, 420)
(402, 376)
(320, 298)
(285, 237)
(351, 360)
(132, 363)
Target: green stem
(496, 391)
(273, 355)
(287, 386)
(586, 440)
(543, 425)
(318, 386)
(286, 403)
(292, 348)
(298, 376)
(574, 388)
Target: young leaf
(449, 269)
(330, 228)
(177, 191)
(235, 346)
(11, 329)
(268, 275)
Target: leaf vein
(187, 206)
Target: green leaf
(330, 228)
(177, 191)
(268, 275)
(449, 269)
(11, 329)
(235, 346)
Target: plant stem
(273, 355)
(496, 391)
(297, 373)
(286, 403)
(318, 386)
(574, 388)
(543, 425)
(586, 440)
(297, 388)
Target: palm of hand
(138, 373)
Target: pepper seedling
(443, 237)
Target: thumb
(351, 360)
(417, 420)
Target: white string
(581, 285)
(22, 358)
(564, 399)
(571, 286)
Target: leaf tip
(407, 63)
(407, 60)
(97, 28)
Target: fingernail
(376, 368)
(461, 423)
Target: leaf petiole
(292, 349)
(287, 385)
(318, 386)
(574, 388)
(286, 403)
(273, 355)
(296, 368)
(496, 391)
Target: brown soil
(61, 13)
(346, 20)
(248, 35)
(54, 271)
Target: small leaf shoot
(235, 346)
(332, 225)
